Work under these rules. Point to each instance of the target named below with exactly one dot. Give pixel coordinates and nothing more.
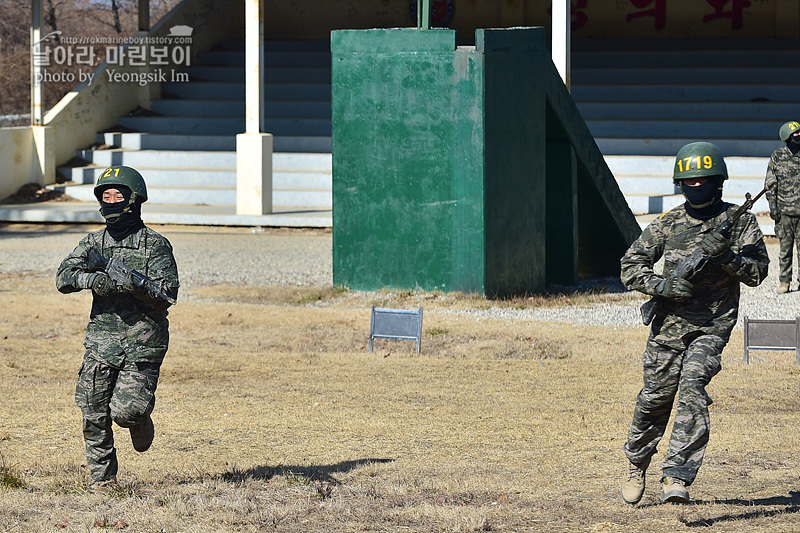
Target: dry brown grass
(272, 416)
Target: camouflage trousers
(666, 371)
(788, 233)
(106, 394)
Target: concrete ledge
(192, 215)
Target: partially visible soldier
(128, 332)
(693, 321)
(784, 200)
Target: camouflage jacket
(714, 305)
(784, 167)
(121, 326)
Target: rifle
(689, 267)
(118, 271)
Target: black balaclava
(704, 201)
(122, 218)
(793, 145)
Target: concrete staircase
(642, 100)
(185, 145)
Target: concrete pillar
(253, 174)
(254, 148)
(44, 172)
(560, 36)
(37, 70)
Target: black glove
(775, 216)
(101, 284)
(675, 288)
(717, 247)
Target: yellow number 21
(108, 172)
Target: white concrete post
(560, 36)
(254, 148)
(152, 90)
(37, 71)
(44, 154)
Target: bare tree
(91, 18)
(115, 10)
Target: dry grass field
(273, 416)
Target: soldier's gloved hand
(717, 247)
(775, 216)
(101, 284)
(675, 288)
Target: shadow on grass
(791, 503)
(311, 473)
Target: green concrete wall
(407, 161)
(465, 168)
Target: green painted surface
(465, 169)
(407, 161)
(515, 162)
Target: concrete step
(174, 159)
(688, 76)
(219, 196)
(221, 108)
(608, 91)
(683, 129)
(170, 159)
(208, 142)
(150, 141)
(235, 91)
(204, 178)
(664, 57)
(765, 111)
(273, 58)
(650, 146)
(226, 125)
(187, 107)
(235, 74)
(646, 182)
(663, 166)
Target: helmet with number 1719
(699, 160)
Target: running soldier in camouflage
(784, 200)
(128, 332)
(693, 324)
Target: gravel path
(251, 256)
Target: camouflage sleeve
(162, 268)
(636, 266)
(770, 182)
(74, 273)
(751, 262)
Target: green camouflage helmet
(121, 175)
(788, 129)
(699, 160)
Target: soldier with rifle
(132, 274)
(709, 248)
(783, 178)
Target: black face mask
(793, 144)
(122, 218)
(704, 201)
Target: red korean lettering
(658, 11)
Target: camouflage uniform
(686, 338)
(784, 205)
(126, 340)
